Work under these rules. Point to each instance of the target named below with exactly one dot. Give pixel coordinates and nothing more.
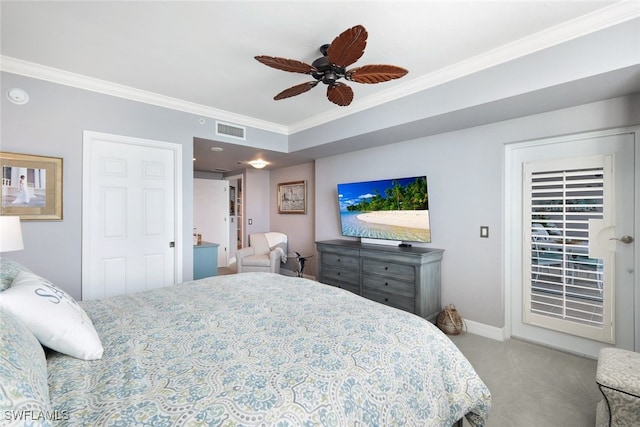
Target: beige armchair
(265, 252)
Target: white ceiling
(202, 53)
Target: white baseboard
(486, 331)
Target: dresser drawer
(330, 259)
(393, 300)
(386, 284)
(346, 279)
(346, 286)
(397, 271)
(338, 274)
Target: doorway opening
(236, 216)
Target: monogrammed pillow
(53, 316)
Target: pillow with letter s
(53, 316)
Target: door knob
(623, 239)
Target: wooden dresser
(405, 278)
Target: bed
(253, 349)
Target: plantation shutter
(566, 285)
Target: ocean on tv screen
(394, 209)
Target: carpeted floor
(531, 385)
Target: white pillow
(53, 316)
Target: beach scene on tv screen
(393, 209)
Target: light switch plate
(484, 231)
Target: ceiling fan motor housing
(326, 72)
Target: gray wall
(255, 189)
(465, 179)
(299, 228)
(51, 124)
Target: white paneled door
(572, 246)
(211, 214)
(130, 215)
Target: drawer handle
(338, 273)
(386, 268)
(386, 300)
(386, 284)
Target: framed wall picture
(31, 186)
(292, 197)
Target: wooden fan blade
(375, 73)
(285, 64)
(340, 94)
(348, 47)
(295, 90)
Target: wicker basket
(450, 321)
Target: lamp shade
(10, 234)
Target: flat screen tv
(389, 209)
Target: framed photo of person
(31, 186)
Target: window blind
(565, 283)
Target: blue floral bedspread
(264, 349)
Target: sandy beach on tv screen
(412, 219)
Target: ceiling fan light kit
(258, 164)
(345, 50)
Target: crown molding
(601, 19)
(55, 75)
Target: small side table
(301, 261)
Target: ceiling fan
(345, 49)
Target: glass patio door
(570, 202)
(567, 289)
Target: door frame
(240, 179)
(87, 138)
(512, 196)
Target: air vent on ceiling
(230, 130)
(220, 170)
